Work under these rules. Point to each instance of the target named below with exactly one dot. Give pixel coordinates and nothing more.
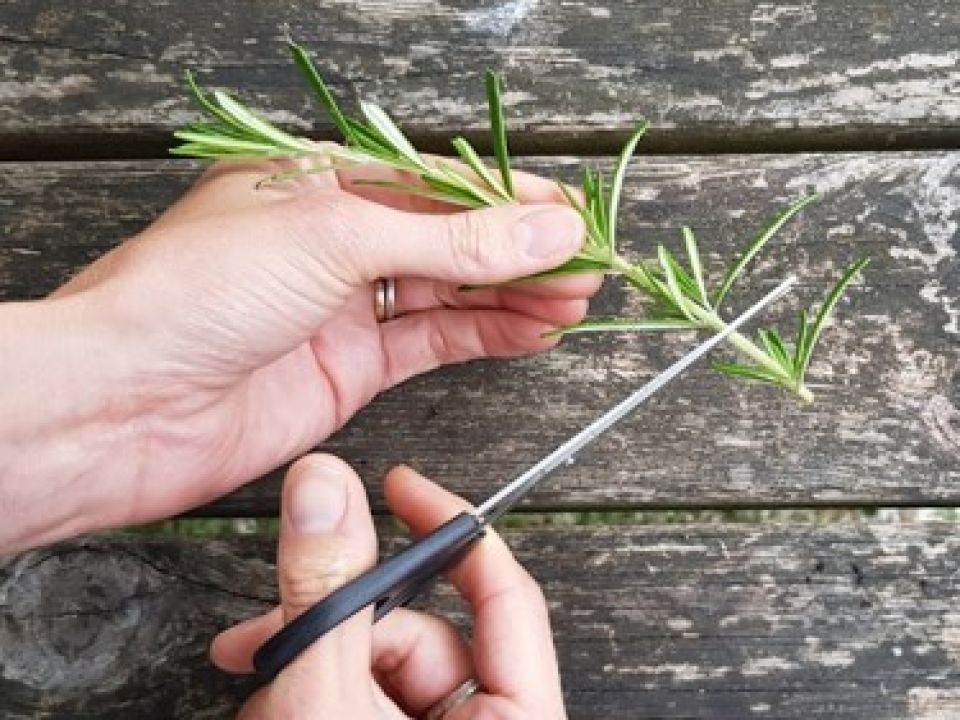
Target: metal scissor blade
(512, 493)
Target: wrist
(66, 427)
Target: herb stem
(678, 290)
(714, 322)
(710, 320)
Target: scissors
(397, 580)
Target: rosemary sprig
(679, 293)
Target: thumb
(326, 538)
(475, 246)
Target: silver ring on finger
(385, 299)
(455, 699)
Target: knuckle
(470, 235)
(530, 589)
(312, 578)
(324, 229)
(441, 346)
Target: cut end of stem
(805, 394)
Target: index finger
(513, 645)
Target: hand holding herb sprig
(681, 298)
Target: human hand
(238, 331)
(410, 661)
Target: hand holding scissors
(397, 580)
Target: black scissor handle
(392, 583)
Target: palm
(303, 397)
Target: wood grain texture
(885, 428)
(727, 622)
(826, 69)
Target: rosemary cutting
(679, 294)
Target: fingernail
(318, 503)
(549, 232)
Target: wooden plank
(886, 426)
(742, 72)
(713, 622)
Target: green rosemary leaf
(209, 106)
(616, 186)
(696, 267)
(216, 129)
(498, 130)
(776, 348)
(747, 372)
(258, 126)
(350, 154)
(594, 236)
(571, 198)
(386, 127)
(228, 144)
(367, 138)
(642, 277)
(206, 152)
(603, 220)
(576, 266)
(688, 286)
(667, 266)
(324, 96)
(824, 315)
(197, 150)
(439, 182)
(444, 173)
(470, 157)
(457, 193)
(618, 324)
(590, 191)
(589, 188)
(596, 214)
(662, 296)
(758, 242)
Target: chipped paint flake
(47, 88)
(792, 60)
(928, 703)
(935, 293)
(937, 202)
(679, 624)
(499, 20)
(942, 419)
(829, 658)
(911, 61)
(767, 665)
(678, 548)
(735, 52)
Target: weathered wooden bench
(776, 607)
